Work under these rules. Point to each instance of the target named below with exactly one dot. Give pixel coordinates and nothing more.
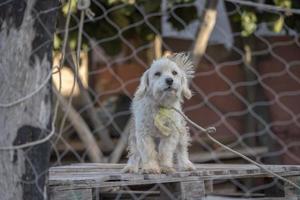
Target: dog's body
(165, 84)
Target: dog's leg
(182, 152)
(166, 153)
(133, 160)
(134, 157)
(132, 164)
(146, 148)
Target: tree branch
(82, 129)
(106, 142)
(204, 32)
(122, 143)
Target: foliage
(248, 18)
(119, 20)
(248, 22)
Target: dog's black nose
(169, 81)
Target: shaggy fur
(165, 83)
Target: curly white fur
(165, 83)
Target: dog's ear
(186, 91)
(144, 84)
(184, 62)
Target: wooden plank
(168, 191)
(130, 194)
(209, 186)
(192, 190)
(290, 191)
(78, 194)
(136, 192)
(87, 166)
(106, 175)
(230, 198)
(206, 173)
(187, 190)
(94, 184)
(92, 166)
(203, 170)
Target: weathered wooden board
(290, 191)
(80, 194)
(94, 175)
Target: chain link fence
(247, 82)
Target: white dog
(165, 84)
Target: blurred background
(247, 81)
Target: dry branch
(82, 129)
(157, 46)
(100, 129)
(208, 23)
(122, 144)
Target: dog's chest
(165, 123)
(145, 114)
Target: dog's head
(167, 79)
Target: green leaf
(73, 7)
(248, 23)
(278, 24)
(283, 3)
(56, 41)
(111, 2)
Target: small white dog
(165, 84)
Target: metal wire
(219, 87)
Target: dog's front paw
(188, 166)
(130, 169)
(210, 130)
(151, 169)
(167, 170)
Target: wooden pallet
(79, 181)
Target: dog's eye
(157, 74)
(174, 73)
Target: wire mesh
(247, 84)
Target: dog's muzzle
(170, 89)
